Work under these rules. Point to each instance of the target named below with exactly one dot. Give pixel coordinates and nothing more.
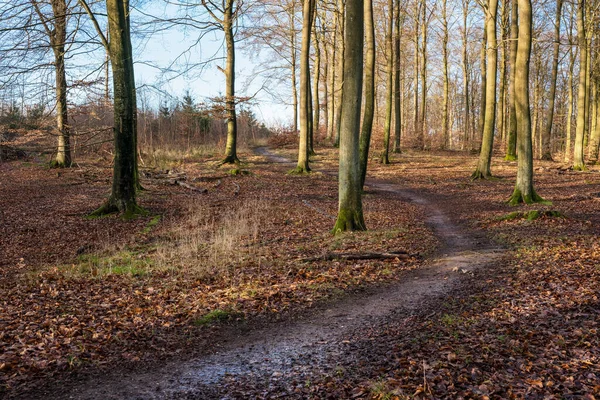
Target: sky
(203, 83)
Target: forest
(307, 199)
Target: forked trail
(277, 357)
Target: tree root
(519, 197)
(348, 220)
(230, 159)
(477, 175)
(128, 211)
(300, 171)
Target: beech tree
(546, 135)
(369, 109)
(511, 141)
(578, 161)
(125, 177)
(389, 97)
(225, 16)
(305, 112)
(483, 169)
(350, 213)
(524, 191)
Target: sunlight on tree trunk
(397, 88)
(546, 136)
(350, 213)
(369, 110)
(483, 170)
(578, 161)
(305, 117)
(524, 191)
(389, 98)
(511, 141)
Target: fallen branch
(402, 255)
(190, 187)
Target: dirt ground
(81, 296)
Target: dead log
(190, 187)
(401, 255)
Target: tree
(524, 191)
(578, 162)
(511, 140)
(55, 27)
(483, 170)
(229, 11)
(389, 97)
(305, 114)
(369, 111)
(397, 87)
(350, 213)
(546, 135)
(125, 178)
(446, 99)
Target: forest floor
(178, 303)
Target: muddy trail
(275, 359)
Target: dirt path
(274, 359)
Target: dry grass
(205, 244)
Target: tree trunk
(546, 135)
(578, 161)
(417, 125)
(305, 117)
(524, 191)
(340, 69)
(422, 118)
(487, 145)
(57, 40)
(315, 93)
(511, 142)
(482, 107)
(397, 89)
(466, 76)
(293, 66)
(572, 57)
(350, 213)
(595, 135)
(231, 147)
(369, 110)
(123, 195)
(445, 116)
(389, 96)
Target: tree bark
(369, 109)
(397, 89)
(231, 146)
(350, 213)
(389, 96)
(570, 96)
(546, 135)
(487, 145)
(124, 185)
(446, 94)
(511, 142)
(578, 161)
(466, 76)
(316, 79)
(305, 117)
(341, 45)
(58, 38)
(524, 191)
